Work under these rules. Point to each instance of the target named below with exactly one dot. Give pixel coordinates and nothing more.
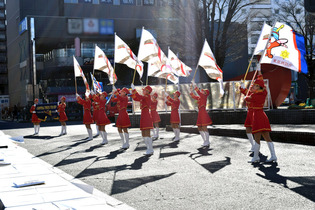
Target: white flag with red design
(78, 72)
(262, 40)
(179, 68)
(149, 49)
(102, 63)
(124, 55)
(209, 64)
(162, 71)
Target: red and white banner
(124, 55)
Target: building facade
(3, 51)
(43, 36)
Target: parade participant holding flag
(146, 123)
(102, 119)
(203, 119)
(175, 120)
(260, 121)
(155, 116)
(62, 115)
(123, 121)
(249, 117)
(95, 106)
(35, 120)
(87, 117)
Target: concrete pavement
(183, 175)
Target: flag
(78, 72)
(96, 84)
(102, 63)
(286, 48)
(149, 49)
(154, 70)
(124, 55)
(209, 64)
(180, 69)
(262, 40)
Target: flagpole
(114, 60)
(75, 83)
(134, 74)
(198, 62)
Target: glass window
(106, 1)
(116, 2)
(139, 2)
(71, 1)
(96, 1)
(128, 2)
(148, 2)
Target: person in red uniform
(102, 119)
(146, 123)
(249, 117)
(174, 120)
(123, 121)
(95, 106)
(260, 123)
(62, 115)
(35, 120)
(87, 117)
(155, 116)
(203, 119)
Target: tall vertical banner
(286, 48)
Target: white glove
(132, 86)
(258, 68)
(242, 85)
(77, 95)
(92, 92)
(193, 83)
(166, 94)
(34, 112)
(114, 88)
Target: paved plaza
(179, 175)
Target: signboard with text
(75, 26)
(23, 25)
(106, 27)
(90, 26)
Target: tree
(303, 24)
(221, 15)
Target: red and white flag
(149, 49)
(124, 55)
(162, 71)
(179, 68)
(209, 64)
(102, 63)
(78, 72)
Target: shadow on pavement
(307, 188)
(121, 186)
(170, 154)
(73, 160)
(217, 165)
(39, 137)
